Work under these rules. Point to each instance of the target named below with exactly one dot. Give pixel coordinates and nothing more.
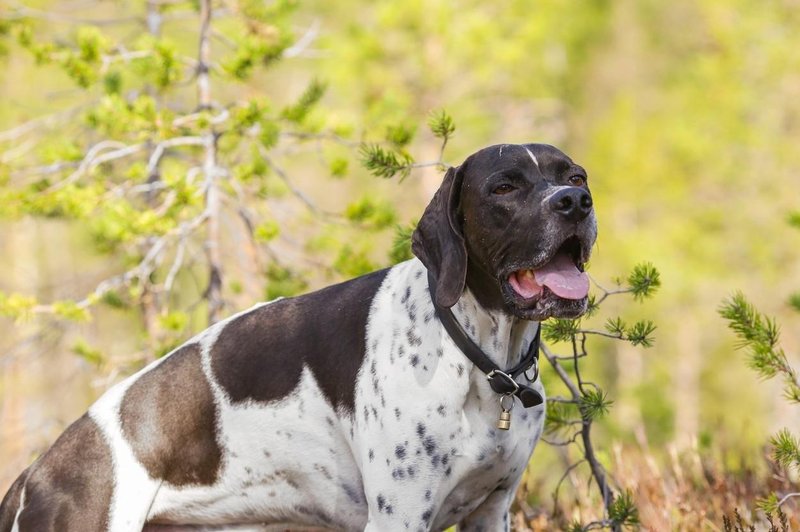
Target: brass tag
(504, 423)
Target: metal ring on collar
(508, 378)
(507, 396)
(535, 367)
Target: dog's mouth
(560, 275)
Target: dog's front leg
(401, 510)
(491, 515)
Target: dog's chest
(425, 418)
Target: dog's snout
(572, 203)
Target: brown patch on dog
(71, 485)
(10, 504)
(169, 417)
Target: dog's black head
(515, 223)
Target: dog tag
(504, 423)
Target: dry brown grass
(681, 491)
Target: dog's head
(515, 224)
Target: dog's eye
(577, 181)
(505, 188)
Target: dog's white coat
(295, 460)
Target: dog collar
(502, 382)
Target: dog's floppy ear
(438, 240)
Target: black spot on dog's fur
(259, 356)
(429, 444)
(400, 451)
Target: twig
(42, 121)
(787, 497)
(598, 473)
(303, 42)
(93, 159)
(140, 271)
(213, 293)
(561, 481)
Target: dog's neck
(503, 337)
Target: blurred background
(686, 115)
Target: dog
(350, 408)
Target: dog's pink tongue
(562, 277)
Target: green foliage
(616, 326)
(559, 416)
(379, 214)
(644, 280)
(175, 321)
(591, 306)
(338, 167)
(794, 301)
(594, 403)
(794, 219)
(160, 63)
(560, 330)
(401, 245)
(441, 124)
(71, 310)
(16, 306)
(283, 282)
(400, 135)
(760, 336)
(757, 333)
(260, 43)
(113, 299)
(623, 510)
(382, 162)
(576, 526)
(641, 333)
(267, 231)
(299, 111)
(90, 354)
(353, 261)
(786, 449)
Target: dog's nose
(572, 203)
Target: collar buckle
(502, 383)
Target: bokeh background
(685, 113)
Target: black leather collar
(502, 382)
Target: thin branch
(93, 159)
(177, 263)
(162, 147)
(601, 333)
(211, 173)
(303, 42)
(787, 497)
(598, 472)
(559, 399)
(42, 121)
(562, 443)
(140, 271)
(561, 481)
(607, 293)
(20, 11)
